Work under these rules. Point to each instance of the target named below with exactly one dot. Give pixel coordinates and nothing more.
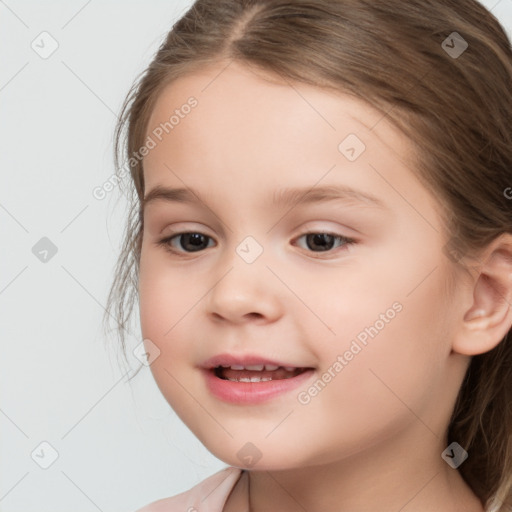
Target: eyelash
(166, 242)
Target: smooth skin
(372, 438)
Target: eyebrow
(282, 197)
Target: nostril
(254, 315)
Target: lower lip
(252, 392)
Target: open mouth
(253, 381)
(257, 373)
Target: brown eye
(323, 242)
(187, 242)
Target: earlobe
(489, 318)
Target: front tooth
(255, 367)
(271, 367)
(252, 379)
(237, 367)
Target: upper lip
(244, 360)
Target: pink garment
(210, 495)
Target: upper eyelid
(314, 229)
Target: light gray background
(119, 444)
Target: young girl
(321, 248)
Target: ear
(489, 318)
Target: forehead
(262, 98)
(248, 128)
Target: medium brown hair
(455, 109)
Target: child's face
(373, 319)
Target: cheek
(162, 293)
(405, 361)
(394, 347)
(165, 299)
(154, 299)
(386, 386)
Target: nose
(246, 292)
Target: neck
(397, 475)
